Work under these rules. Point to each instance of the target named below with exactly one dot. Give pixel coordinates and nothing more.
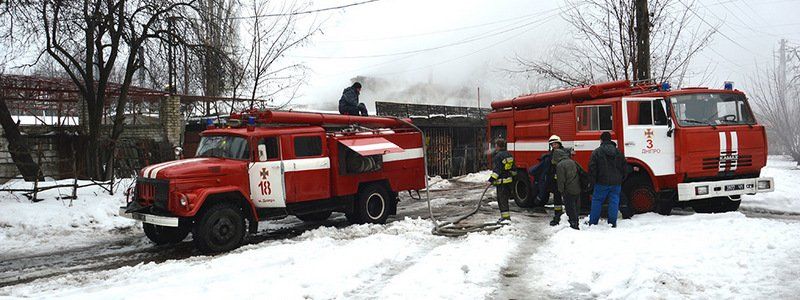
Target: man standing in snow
(607, 172)
(569, 184)
(503, 172)
(349, 105)
(545, 173)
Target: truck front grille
(713, 163)
(153, 192)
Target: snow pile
(784, 199)
(401, 260)
(27, 227)
(437, 183)
(700, 256)
(479, 177)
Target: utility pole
(642, 40)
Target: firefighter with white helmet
(558, 204)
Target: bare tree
(777, 104)
(18, 147)
(271, 38)
(606, 45)
(92, 40)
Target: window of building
(595, 118)
(305, 146)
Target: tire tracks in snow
(515, 276)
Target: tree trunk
(18, 146)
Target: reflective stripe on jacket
(503, 168)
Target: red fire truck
(268, 165)
(695, 147)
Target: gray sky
(472, 39)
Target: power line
(715, 29)
(432, 32)
(481, 36)
(305, 12)
(465, 55)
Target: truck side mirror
(262, 152)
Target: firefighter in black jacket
(503, 172)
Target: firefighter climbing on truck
(503, 172)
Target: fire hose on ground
(451, 228)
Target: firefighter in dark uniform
(503, 172)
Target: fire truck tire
(161, 235)
(640, 193)
(372, 206)
(715, 205)
(730, 205)
(219, 228)
(315, 217)
(523, 196)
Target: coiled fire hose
(451, 228)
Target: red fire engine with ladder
(272, 164)
(695, 147)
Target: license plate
(734, 187)
(139, 217)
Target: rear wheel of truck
(219, 228)
(315, 217)
(161, 235)
(372, 206)
(522, 190)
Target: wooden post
(38, 172)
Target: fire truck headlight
(701, 190)
(764, 185)
(184, 199)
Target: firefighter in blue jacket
(503, 172)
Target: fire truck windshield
(711, 109)
(223, 146)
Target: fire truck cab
(270, 165)
(695, 147)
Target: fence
(60, 155)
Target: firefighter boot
(574, 225)
(505, 218)
(558, 210)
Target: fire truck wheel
(219, 228)
(161, 235)
(715, 205)
(372, 205)
(522, 190)
(730, 205)
(315, 217)
(640, 193)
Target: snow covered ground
(28, 228)
(701, 256)
(705, 256)
(787, 181)
(401, 260)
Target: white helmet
(554, 139)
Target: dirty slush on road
(133, 250)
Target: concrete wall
(55, 145)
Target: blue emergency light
(209, 122)
(728, 85)
(251, 120)
(665, 86)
